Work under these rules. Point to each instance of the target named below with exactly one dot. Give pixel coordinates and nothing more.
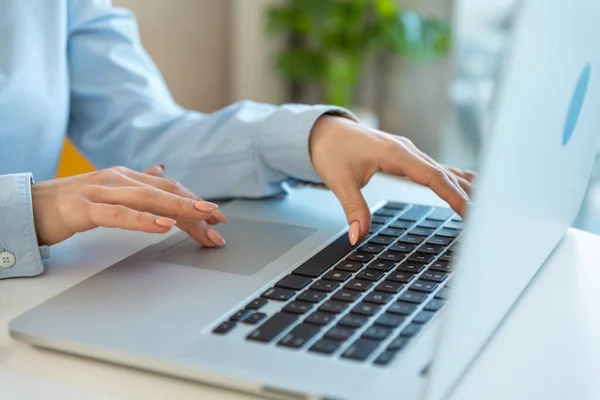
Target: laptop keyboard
(362, 303)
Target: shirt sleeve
(123, 114)
(19, 251)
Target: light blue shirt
(78, 66)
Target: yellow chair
(72, 162)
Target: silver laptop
(289, 310)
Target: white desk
(548, 348)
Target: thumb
(156, 170)
(356, 210)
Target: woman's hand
(346, 155)
(121, 198)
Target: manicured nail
(205, 206)
(220, 216)
(354, 232)
(165, 222)
(215, 237)
(162, 166)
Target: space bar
(320, 262)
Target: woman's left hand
(346, 155)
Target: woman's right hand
(121, 198)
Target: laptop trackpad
(251, 246)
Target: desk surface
(547, 348)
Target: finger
(406, 162)
(171, 186)
(156, 170)
(200, 232)
(468, 175)
(355, 207)
(119, 216)
(150, 199)
(465, 185)
(452, 176)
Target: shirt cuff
(284, 144)
(18, 239)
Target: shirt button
(7, 259)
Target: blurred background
(424, 69)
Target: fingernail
(354, 232)
(205, 206)
(215, 237)
(165, 222)
(162, 166)
(220, 216)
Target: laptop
(288, 309)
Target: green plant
(332, 40)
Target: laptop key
(420, 231)
(377, 333)
(352, 321)
(423, 317)
(411, 239)
(365, 309)
(411, 266)
(272, 327)
(430, 248)
(401, 224)
(378, 298)
(319, 318)
(401, 308)
(430, 223)
(455, 225)
(434, 305)
(297, 307)
(402, 247)
(255, 318)
(391, 232)
(392, 256)
(424, 258)
(382, 265)
(423, 286)
(390, 320)
(371, 248)
(324, 285)
(397, 344)
(389, 287)
(447, 256)
(386, 212)
(439, 240)
(361, 349)
(384, 240)
(256, 304)
(395, 206)
(446, 232)
(320, 262)
(299, 336)
(293, 282)
(442, 294)
(441, 214)
(410, 330)
(334, 307)
(358, 284)
(241, 315)
(350, 266)
(278, 294)
(441, 266)
(415, 213)
(339, 333)
(434, 276)
(375, 227)
(400, 276)
(381, 219)
(385, 358)
(224, 327)
(325, 346)
(338, 276)
(346, 295)
(360, 257)
(413, 297)
(370, 275)
(311, 296)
